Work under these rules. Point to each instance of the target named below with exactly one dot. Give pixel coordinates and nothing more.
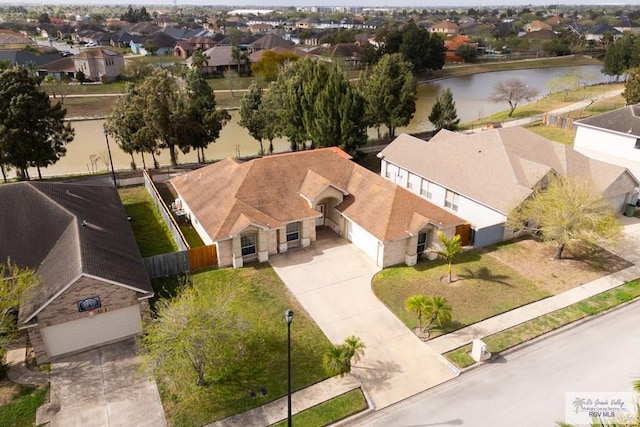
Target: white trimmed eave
(615, 132)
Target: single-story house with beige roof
(482, 177)
(252, 210)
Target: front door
(320, 220)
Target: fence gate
(464, 231)
(202, 257)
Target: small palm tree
(438, 311)
(417, 304)
(199, 60)
(337, 360)
(356, 348)
(451, 248)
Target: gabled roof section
(624, 120)
(270, 41)
(498, 168)
(315, 184)
(226, 196)
(44, 230)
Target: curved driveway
(332, 280)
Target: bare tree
(512, 91)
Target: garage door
(92, 331)
(362, 239)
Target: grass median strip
(541, 325)
(21, 411)
(330, 411)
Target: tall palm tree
(450, 248)
(438, 311)
(199, 60)
(356, 348)
(418, 305)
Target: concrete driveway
(332, 281)
(102, 387)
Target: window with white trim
(293, 231)
(451, 200)
(248, 244)
(425, 190)
(422, 242)
(409, 183)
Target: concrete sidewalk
(275, 411)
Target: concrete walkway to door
(332, 281)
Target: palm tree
(417, 304)
(239, 55)
(451, 248)
(439, 312)
(337, 360)
(356, 348)
(199, 60)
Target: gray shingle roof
(43, 229)
(623, 120)
(498, 168)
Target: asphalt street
(527, 387)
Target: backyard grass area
(265, 299)
(330, 411)
(549, 322)
(493, 280)
(18, 404)
(552, 133)
(151, 233)
(89, 106)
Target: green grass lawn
(486, 287)
(21, 411)
(563, 136)
(151, 233)
(265, 300)
(541, 325)
(330, 411)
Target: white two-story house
(482, 177)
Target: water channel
(88, 152)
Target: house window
(387, 173)
(451, 200)
(422, 242)
(293, 231)
(637, 143)
(89, 304)
(409, 183)
(425, 190)
(248, 244)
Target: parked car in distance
(90, 44)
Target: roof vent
(84, 223)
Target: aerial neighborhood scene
(312, 215)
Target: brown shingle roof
(228, 195)
(498, 168)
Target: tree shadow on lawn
(484, 274)
(463, 257)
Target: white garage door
(90, 331)
(362, 239)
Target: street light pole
(288, 316)
(113, 173)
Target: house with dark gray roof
(598, 32)
(93, 288)
(482, 177)
(613, 137)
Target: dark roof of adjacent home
(624, 120)
(499, 168)
(162, 40)
(21, 57)
(66, 65)
(603, 28)
(272, 191)
(65, 231)
(270, 41)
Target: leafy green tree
(240, 56)
(253, 117)
(418, 305)
(32, 131)
(566, 212)
(270, 64)
(159, 100)
(631, 92)
(389, 38)
(467, 52)
(200, 122)
(80, 77)
(450, 248)
(513, 91)
(15, 282)
(444, 114)
(390, 93)
(150, 46)
(424, 50)
(196, 339)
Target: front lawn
(484, 288)
(20, 411)
(265, 299)
(151, 233)
(330, 411)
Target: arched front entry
(330, 217)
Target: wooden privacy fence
(181, 262)
(557, 121)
